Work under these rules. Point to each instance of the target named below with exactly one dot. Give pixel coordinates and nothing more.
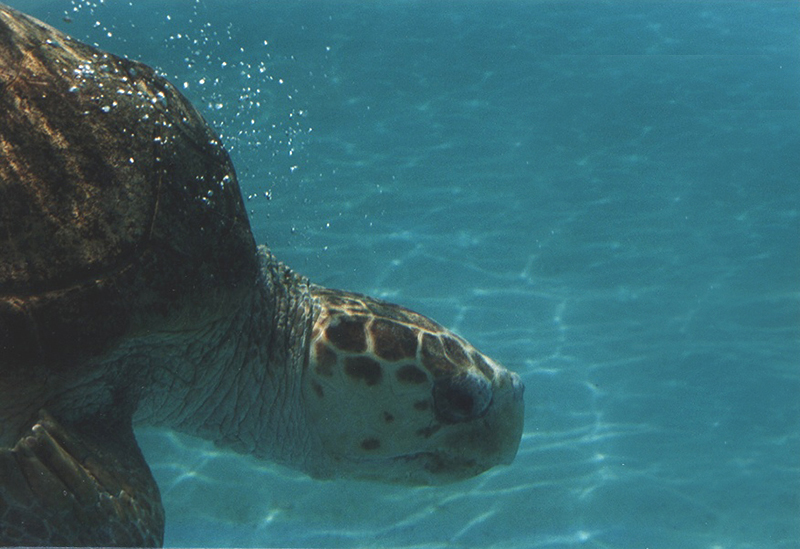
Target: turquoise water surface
(602, 195)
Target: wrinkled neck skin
(331, 383)
(239, 384)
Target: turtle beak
(494, 438)
(475, 445)
(514, 401)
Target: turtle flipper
(58, 487)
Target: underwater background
(604, 196)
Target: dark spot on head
(347, 333)
(326, 359)
(387, 417)
(411, 374)
(422, 405)
(455, 351)
(482, 365)
(433, 357)
(428, 432)
(318, 389)
(362, 367)
(370, 444)
(393, 341)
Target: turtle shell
(120, 211)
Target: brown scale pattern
(359, 325)
(360, 335)
(454, 350)
(433, 356)
(348, 333)
(393, 341)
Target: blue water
(602, 195)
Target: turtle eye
(461, 398)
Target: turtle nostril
(461, 397)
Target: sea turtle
(132, 292)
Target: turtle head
(393, 396)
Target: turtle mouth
(428, 468)
(424, 468)
(444, 465)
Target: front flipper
(64, 485)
